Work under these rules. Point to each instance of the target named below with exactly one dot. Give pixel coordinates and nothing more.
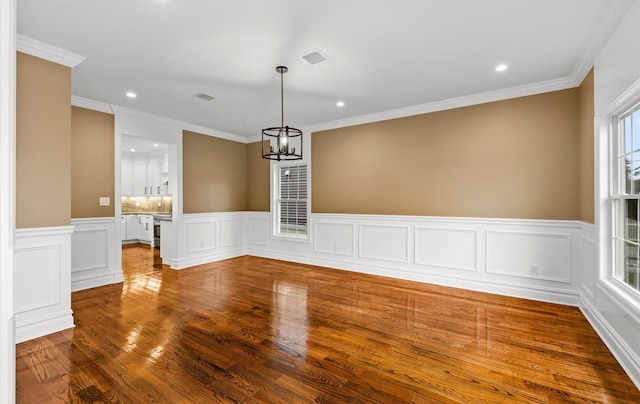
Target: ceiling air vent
(314, 57)
(204, 96)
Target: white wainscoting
(93, 260)
(210, 237)
(42, 281)
(587, 259)
(536, 259)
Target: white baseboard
(627, 358)
(37, 327)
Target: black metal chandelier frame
(278, 139)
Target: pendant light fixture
(284, 142)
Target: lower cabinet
(138, 228)
(133, 227)
(146, 228)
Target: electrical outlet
(105, 201)
(533, 268)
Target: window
(626, 195)
(291, 200)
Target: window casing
(291, 200)
(626, 199)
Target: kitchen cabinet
(143, 176)
(137, 227)
(140, 177)
(146, 227)
(133, 227)
(153, 177)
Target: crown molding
(48, 52)
(91, 104)
(613, 16)
(118, 110)
(452, 103)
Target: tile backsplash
(146, 204)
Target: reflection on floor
(138, 259)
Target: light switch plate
(105, 201)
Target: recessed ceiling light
(501, 68)
(132, 150)
(340, 103)
(156, 145)
(131, 94)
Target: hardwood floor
(254, 330)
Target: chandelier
(284, 142)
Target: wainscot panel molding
(258, 228)
(42, 281)
(210, 237)
(518, 253)
(489, 255)
(93, 260)
(587, 259)
(617, 344)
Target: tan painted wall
(509, 159)
(43, 143)
(586, 168)
(214, 174)
(257, 179)
(92, 163)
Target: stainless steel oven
(156, 232)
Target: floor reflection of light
(156, 353)
(291, 315)
(132, 339)
(142, 283)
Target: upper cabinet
(144, 175)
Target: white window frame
(619, 196)
(275, 173)
(607, 186)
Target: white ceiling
(381, 55)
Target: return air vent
(314, 57)
(204, 96)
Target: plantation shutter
(293, 200)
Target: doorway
(145, 195)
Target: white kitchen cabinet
(133, 227)
(153, 177)
(146, 227)
(140, 186)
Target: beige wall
(43, 143)
(509, 159)
(214, 174)
(586, 168)
(257, 179)
(92, 163)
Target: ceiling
(381, 55)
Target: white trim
(48, 52)
(118, 110)
(44, 232)
(452, 103)
(42, 281)
(91, 104)
(624, 354)
(613, 16)
(7, 197)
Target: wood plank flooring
(253, 330)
